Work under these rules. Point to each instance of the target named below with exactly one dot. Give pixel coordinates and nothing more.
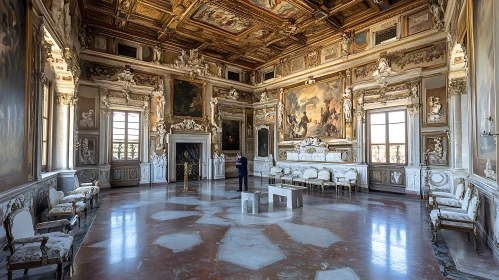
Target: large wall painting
(485, 91)
(315, 110)
(281, 8)
(220, 18)
(13, 94)
(187, 99)
(231, 135)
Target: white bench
(293, 194)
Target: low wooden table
(293, 194)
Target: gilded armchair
(91, 189)
(456, 219)
(30, 250)
(58, 208)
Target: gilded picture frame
(311, 99)
(435, 106)
(14, 98)
(231, 135)
(482, 53)
(186, 93)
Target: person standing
(242, 168)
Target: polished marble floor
(164, 233)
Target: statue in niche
(435, 114)
(253, 78)
(250, 130)
(220, 68)
(345, 44)
(87, 119)
(161, 136)
(158, 53)
(347, 105)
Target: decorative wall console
(312, 149)
(263, 165)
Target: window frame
(126, 142)
(387, 137)
(46, 131)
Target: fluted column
(456, 88)
(62, 125)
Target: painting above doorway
(187, 99)
(231, 135)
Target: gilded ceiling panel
(222, 19)
(148, 11)
(281, 8)
(357, 8)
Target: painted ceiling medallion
(282, 8)
(222, 19)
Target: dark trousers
(245, 176)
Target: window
(126, 135)
(127, 51)
(388, 137)
(268, 75)
(385, 35)
(45, 126)
(233, 76)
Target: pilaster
(456, 88)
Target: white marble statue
(347, 105)
(253, 78)
(158, 53)
(233, 94)
(220, 68)
(161, 136)
(160, 107)
(214, 113)
(264, 96)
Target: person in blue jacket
(242, 168)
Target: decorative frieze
(189, 125)
(434, 52)
(457, 86)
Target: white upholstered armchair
(58, 208)
(91, 189)
(347, 179)
(460, 219)
(30, 250)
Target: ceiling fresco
(248, 33)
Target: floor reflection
(388, 243)
(123, 236)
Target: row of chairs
(30, 248)
(456, 210)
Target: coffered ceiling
(244, 32)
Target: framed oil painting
(485, 87)
(14, 88)
(263, 141)
(435, 101)
(315, 110)
(231, 135)
(330, 53)
(436, 149)
(187, 99)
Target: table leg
(271, 197)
